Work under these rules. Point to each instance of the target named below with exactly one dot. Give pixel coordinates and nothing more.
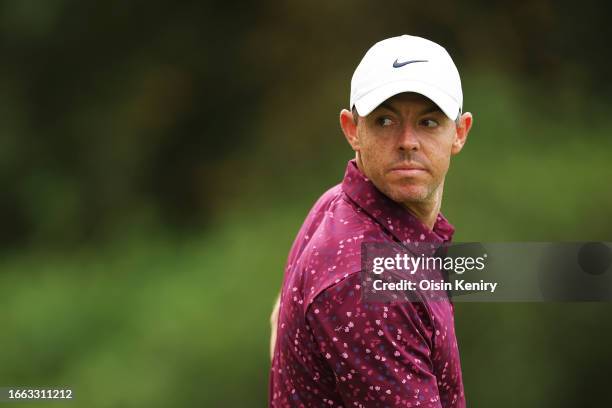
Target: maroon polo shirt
(334, 350)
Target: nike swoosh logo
(397, 64)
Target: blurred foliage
(158, 159)
(112, 113)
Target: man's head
(405, 120)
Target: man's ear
(463, 128)
(349, 128)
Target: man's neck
(427, 211)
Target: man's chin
(410, 194)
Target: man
(331, 348)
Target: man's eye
(430, 123)
(384, 121)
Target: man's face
(404, 146)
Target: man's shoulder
(330, 243)
(338, 227)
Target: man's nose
(409, 140)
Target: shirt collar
(396, 219)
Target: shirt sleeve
(380, 354)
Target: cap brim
(370, 101)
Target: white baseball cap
(406, 64)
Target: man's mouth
(408, 169)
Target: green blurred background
(157, 159)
